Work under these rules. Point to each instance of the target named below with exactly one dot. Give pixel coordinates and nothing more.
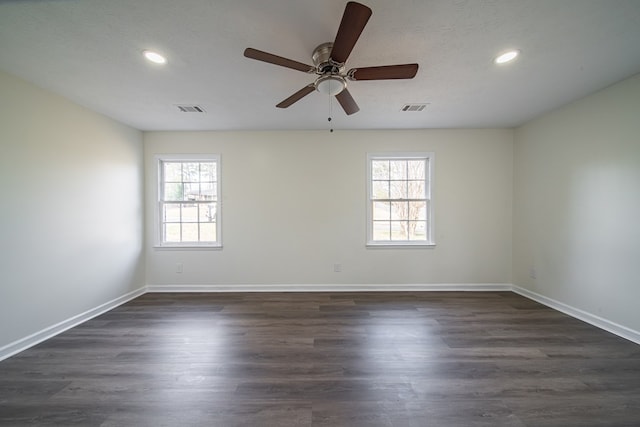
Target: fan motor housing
(322, 60)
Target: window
(189, 200)
(399, 208)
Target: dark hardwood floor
(326, 359)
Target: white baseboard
(467, 287)
(36, 338)
(607, 325)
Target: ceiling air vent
(413, 107)
(190, 108)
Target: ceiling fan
(329, 62)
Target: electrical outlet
(179, 267)
(337, 268)
(532, 272)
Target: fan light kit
(329, 63)
(330, 85)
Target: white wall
(71, 188)
(565, 197)
(294, 205)
(577, 204)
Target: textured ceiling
(90, 52)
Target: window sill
(384, 245)
(187, 247)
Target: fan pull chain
(330, 113)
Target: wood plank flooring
(326, 359)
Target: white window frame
(159, 160)
(429, 157)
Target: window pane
(192, 191)
(415, 190)
(190, 172)
(398, 169)
(399, 230)
(173, 192)
(172, 232)
(171, 213)
(189, 212)
(189, 232)
(381, 211)
(417, 211)
(415, 169)
(207, 172)
(400, 210)
(208, 191)
(381, 230)
(207, 212)
(417, 230)
(398, 189)
(172, 172)
(380, 190)
(379, 169)
(207, 231)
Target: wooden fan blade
(277, 60)
(347, 102)
(385, 72)
(297, 96)
(354, 19)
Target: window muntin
(399, 203)
(189, 205)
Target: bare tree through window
(188, 201)
(399, 199)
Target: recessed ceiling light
(507, 57)
(154, 57)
